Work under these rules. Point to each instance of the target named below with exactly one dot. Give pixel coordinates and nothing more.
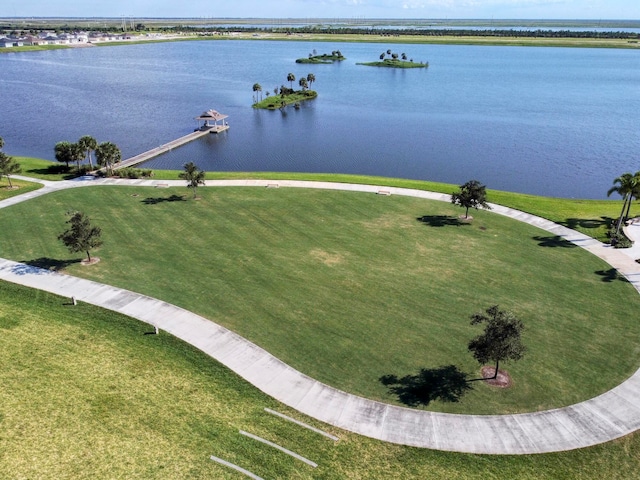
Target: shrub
(619, 239)
(133, 173)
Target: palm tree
(62, 152)
(88, 144)
(8, 167)
(257, 88)
(108, 154)
(303, 83)
(193, 175)
(627, 186)
(76, 153)
(311, 78)
(291, 78)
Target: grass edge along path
(87, 395)
(590, 217)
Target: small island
(284, 96)
(391, 59)
(335, 56)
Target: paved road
(601, 419)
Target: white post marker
(278, 447)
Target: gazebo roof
(211, 115)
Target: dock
(204, 129)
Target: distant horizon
(587, 10)
(331, 19)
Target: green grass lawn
(348, 287)
(43, 169)
(590, 217)
(18, 187)
(87, 395)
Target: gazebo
(210, 120)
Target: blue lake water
(550, 121)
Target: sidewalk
(609, 416)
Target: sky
(335, 9)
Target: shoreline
(479, 40)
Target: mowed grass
(43, 169)
(18, 187)
(87, 395)
(348, 287)
(591, 217)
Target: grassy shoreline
(394, 64)
(274, 102)
(374, 38)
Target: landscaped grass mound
(348, 287)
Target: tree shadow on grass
(54, 169)
(51, 264)
(586, 223)
(554, 241)
(156, 200)
(441, 221)
(447, 384)
(610, 275)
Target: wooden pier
(207, 127)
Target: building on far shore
(47, 37)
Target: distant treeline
(319, 29)
(456, 32)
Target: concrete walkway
(614, 414)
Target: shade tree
(471, 195)
(81, 235)
(501, 339)
(62, 152)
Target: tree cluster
(107, 153)
(627, 186)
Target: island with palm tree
(335, 56)
(283, 96)
(391, 59)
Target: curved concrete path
(600, 419)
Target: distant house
(11, 42)
(50, 40)
(32, 40)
